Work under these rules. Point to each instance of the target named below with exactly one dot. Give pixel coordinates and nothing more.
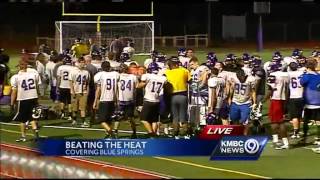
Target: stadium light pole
(260, 8)
(260, 34)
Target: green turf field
(297, 162)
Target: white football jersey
(247, 70)
(280, 85)
(242, 91)
(32, 70)
(154, 87)
(80, 80)
(219, 84)
(296, 90)
(196, 73)
(184, 61)
(227, 75)
(97, 64)
(49, 71)
(97, 77)
(126, 87)
(64, 72)
(26, 84)
(287, 60)
(108, 82)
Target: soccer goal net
(141, 33)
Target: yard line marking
(17, 132)
(75, 128)
(213, 168)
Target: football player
(63, 84)
(242, 98)
(25, 86)
(184, 60)
(79, 79)
(295, 98)
(277, 91)
(246, 64)
(216, 87)
(153, 84)
(126, 96)
(198, 91)
(106, 96)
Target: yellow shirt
(178, 78)
(80, 49)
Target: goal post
(141, 33)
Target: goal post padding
(140, 32)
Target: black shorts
(64, 95)
(139, 96)
(24, 110)
(295, 108)
(106, 110)
(312, 114)
(150, 111)
(91, 96)
(127, 108)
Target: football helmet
(124, 57)
(245, 57)
(315, 53)
(211, 118)
(67, 60)
(161, 58)
(230, 59)
(294, 66)
(271, 79)
(296, 53)
(153, 68)
(154, 54)
(117, 115)
(256, 113)
(277, 53)
(256, 61)
(211, 59)
(37, 113)
(182, 52)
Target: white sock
(166, 130)
(275, 138)
(285, 141)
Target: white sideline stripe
(75, 128)
(97, 163)
(17, 132)
(8, 175)
(213, 168)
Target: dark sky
(29, 20)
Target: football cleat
(280, 147)
(21, 139)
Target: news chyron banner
(217, 141)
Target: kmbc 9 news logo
(239, 148)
